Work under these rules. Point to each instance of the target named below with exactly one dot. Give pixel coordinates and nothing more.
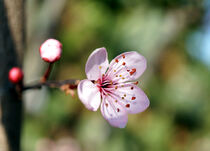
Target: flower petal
(115, 114)
(133, 99)
(97, 64)
(126, 67)
(89, 94)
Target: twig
(53, 84)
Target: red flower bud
(15, 75)
(50, 50)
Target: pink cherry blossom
(50, 50)
(109, 86)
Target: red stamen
(133, 98)
(116, 60)
(133, 71)
(123, 56)
(136, 82)
(127, 105)
(123, 63)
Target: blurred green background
(174, 36)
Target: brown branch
(71, 83)
(11, 46)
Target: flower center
(102, 84)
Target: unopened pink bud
(15, 75)
(50, 50)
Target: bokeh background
(174, 36)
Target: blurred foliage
(176, 81)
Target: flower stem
(47, 73)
